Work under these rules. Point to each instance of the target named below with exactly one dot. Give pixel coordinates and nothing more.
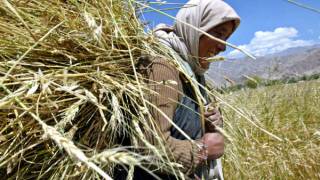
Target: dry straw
(68, 74)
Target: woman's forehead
(226, 27)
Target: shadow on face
(209, 47)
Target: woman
(193, 48)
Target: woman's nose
(221, 47)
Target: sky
(267, 26)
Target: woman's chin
(205, 65)
(200, 70)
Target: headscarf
(203, 14)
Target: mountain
(293, 62)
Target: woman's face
(209, 47)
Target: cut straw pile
(69, 87)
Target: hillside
(294, 62)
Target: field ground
(291, 112)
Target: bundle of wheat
(69, 88)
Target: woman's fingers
(208, 113)
(214, 121)
(217, 123)
(212, 112)
(214, 117)
(215, 144)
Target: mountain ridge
(293, 62)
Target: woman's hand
(213, 118)
(214, 144)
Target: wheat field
(290, 112)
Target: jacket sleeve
(161, 74)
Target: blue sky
(267, 26)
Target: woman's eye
(218, 35)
